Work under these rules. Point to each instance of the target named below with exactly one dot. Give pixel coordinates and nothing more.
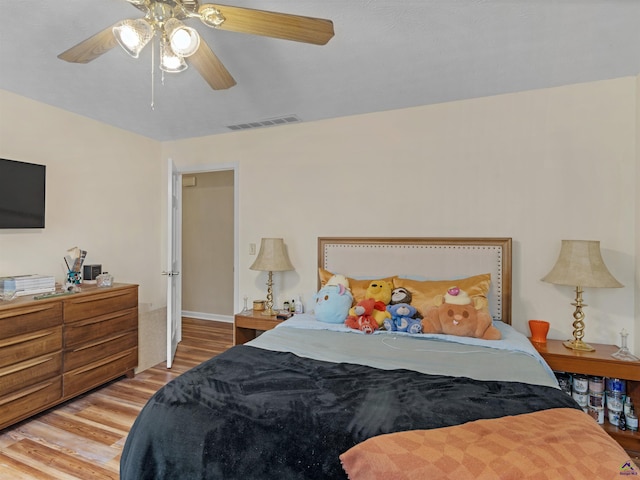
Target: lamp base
(578, 327)
(269, 312)
(578, 345)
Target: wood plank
(17, 470)
(82, 429)
(44, 434)
(56, 462)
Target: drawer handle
(102, 297)
(28, 311)
(100, 342)
(101, 363)
(17, 340)
(24, 393)
(93, 321)
(25, 365)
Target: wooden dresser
(56, 348)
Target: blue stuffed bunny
(333, 303)
(402, 319)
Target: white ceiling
(386, 54)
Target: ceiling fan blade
(277, 25)
(91, 48)
(211, 68)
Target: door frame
(174, 260)
(220, 167)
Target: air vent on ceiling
(265, 123)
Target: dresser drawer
(29, 372)
(23, 403)
(91, 329)
(96, 373)
(98, 304)
(104, 347)
(86, 339)
(29, 345)
(29, 318)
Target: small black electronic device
(91, 272)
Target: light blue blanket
(512, 342)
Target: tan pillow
(514, 447)
(358, 286)
(424, 292)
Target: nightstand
(247, 325)
(599, 363)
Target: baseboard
(208, 316)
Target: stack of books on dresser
(21, 285)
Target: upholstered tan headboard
(425, 258)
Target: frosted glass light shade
(133, 35)
(184, 40)
(169, 61)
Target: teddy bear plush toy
(362, 318)
(333, 303)
(456, 314)
(402, 319)
(402, 295)
(380, 292)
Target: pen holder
(73, 277)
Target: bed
(312, 400)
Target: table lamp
(580, 264)
(272, 257)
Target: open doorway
(208, 245)
(175, 309)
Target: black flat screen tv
(22, 194)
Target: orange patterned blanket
(549, 444)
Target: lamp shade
(580, 264)
(272, 256)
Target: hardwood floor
(83, 438)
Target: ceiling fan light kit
(178, 41)
(133, 35)
(184, 40)
(169, 61)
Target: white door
(174, 257)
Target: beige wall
(104, 190)
(207, 246)
(536, 166)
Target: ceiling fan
(178, 41)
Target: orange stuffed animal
(362, 318)
(456, 314)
